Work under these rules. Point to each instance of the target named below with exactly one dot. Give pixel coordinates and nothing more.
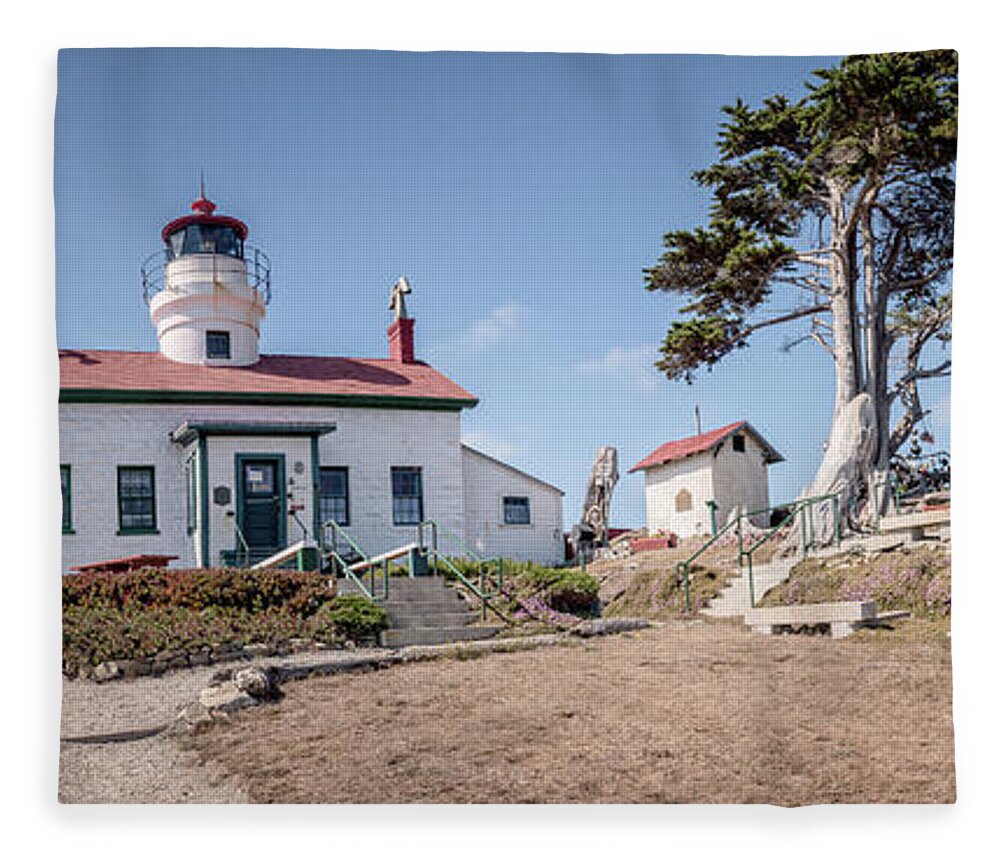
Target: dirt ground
(682, 713)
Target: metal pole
(687, 587)
(753, 599)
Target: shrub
(355, 616)
(562, 590)
(139, 615)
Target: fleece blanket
(505, 428)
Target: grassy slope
(916, 579)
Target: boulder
(225, 697)
(256, 681)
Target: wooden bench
(915, 524)
(841, 619)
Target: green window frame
(334, 495)
(407, 496)
(137, 500)
(66, 481)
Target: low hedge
(115, 616)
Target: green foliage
(878, 130)
(115, 616)
(355, 616)
(565, 590)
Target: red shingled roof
(295, 375)
(696, 444)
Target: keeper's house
(182, 451)
(712, 476)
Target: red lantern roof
(204, 209)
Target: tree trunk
(877, 369)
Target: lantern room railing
(258, 267)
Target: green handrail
(801, 506)
(243, 542)
(432, 550)
(684, 567)
(331, 549)
(805, 506)
(480, 592)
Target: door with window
(262, 501)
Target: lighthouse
(207, 289)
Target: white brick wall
(740, 479)
(731, 479)
(96, 438)
(487, 481)
(663, 483)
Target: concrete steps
(734, 600)
(425, 611)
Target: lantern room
(207, 289)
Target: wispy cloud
(499, 325)
(633, 365)
(488, 443)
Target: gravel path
(150, 769)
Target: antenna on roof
(203, 183)
(697, 420)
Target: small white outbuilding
(715, 474)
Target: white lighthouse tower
(207, 289)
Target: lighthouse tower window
(217, 344)
(205, 239)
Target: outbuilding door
(261, 480)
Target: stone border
(172, 660)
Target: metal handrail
(480, 592)
(793, 508)
(257, 264)
(243, 541)
(331, 550)
(684, 567)
(433, 552)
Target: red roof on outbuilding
(297, 376)
(681, 448)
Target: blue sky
(521, 194)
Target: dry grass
(915, 578)
(684, 713)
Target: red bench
(125, 565)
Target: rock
(256, 681)
(606, 626)
(225, 697)
(107, 671)
(258, 649)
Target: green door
(262, 502)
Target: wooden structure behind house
(724, 468)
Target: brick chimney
(401, 340)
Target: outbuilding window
(333, 498)
(516, 511)
(682, 502)
(739, 443)
(136, 499)
(217, 344)
(407, 496)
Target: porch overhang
(190, 431)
